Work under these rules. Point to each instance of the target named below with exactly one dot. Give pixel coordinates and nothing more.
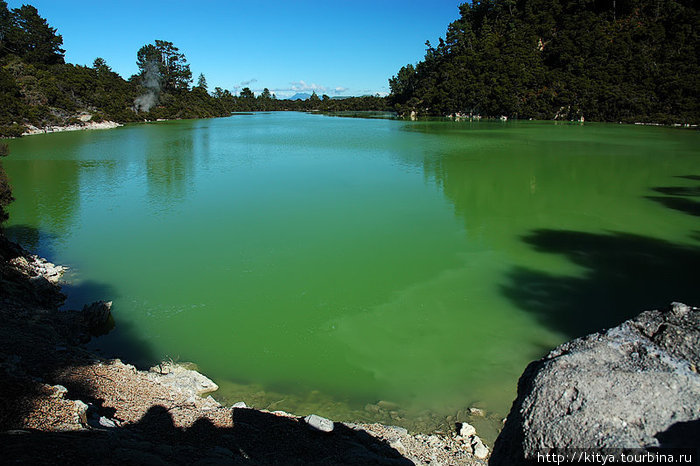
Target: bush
(11, 131)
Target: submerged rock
(632, 386)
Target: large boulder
(633, 386)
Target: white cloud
(301, 86)
(340, 90)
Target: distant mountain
(300, 96)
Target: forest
(596, 60)
(601, 60)
(37, 86)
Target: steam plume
(151, 81)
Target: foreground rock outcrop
(632, 386)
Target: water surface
(362, 269)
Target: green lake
(362, 269)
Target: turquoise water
(363, 269)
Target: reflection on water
(169, 166)
(50, 189)
(362, 268)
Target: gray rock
(106, 422)
(240, 404)
(319, 423)
(478, 448)
(633, 386)
(466, 430)
(98, 317)
(59, 391)
(400, 431)
(80, 412)
(179, 377)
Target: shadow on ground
(255, 438)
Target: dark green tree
(246, 93)
(100, 64)
(171, 65)
(31, 37)
(629, 60)
(202, 82)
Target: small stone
(468, 448)
(477, 412)
(679, 309)
(466, 430)
(59, 391)
(398, 446)
(387, 405)
(106, 422)
(319, 423)
(240, 404)
(80, 412)
(480, 450)
(399, 430)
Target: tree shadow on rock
(624, 274)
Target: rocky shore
(85, 125)
(635, 386)
(62, 404)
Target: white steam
(151, 81)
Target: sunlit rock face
(633, 386)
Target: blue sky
(335, 47)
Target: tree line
(37, 86)
(622, 60)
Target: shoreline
(31, 130)
(53, 390)
(89, 125)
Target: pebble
(467, 430)
(319, 423)
(106, 422)
(480, 450)
(240, 404)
